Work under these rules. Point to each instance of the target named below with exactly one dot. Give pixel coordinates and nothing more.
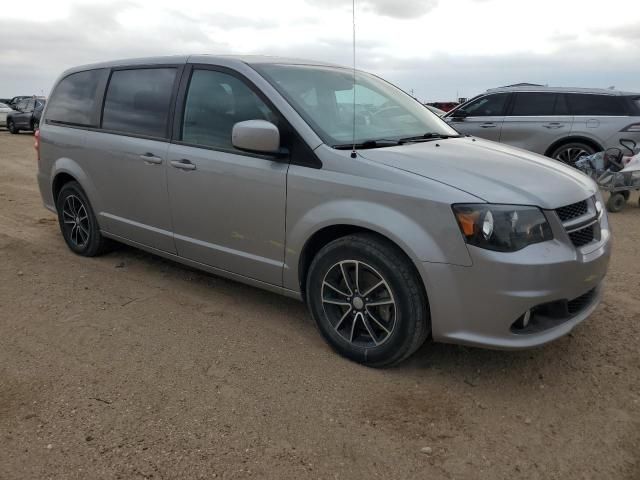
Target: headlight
(503, 228)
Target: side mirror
(256, 136)
(460, 114)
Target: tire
(12, 127)
(616, 202)
(626, 194)
(383, 326)
(78, 222)
(570, 152)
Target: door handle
(183, 164)
(488, 125)
(552, 125)
(151, 159)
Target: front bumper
(478, 305)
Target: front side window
(73, 101)
(324, 98)
(215, 102)
(138, 100)
(489, 106)
(591, 104)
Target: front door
(128, 157)
(228, 206)
(484, 117)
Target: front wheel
(367, 300)
(78, 223)
(11, 126)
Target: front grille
(572, 211)
(582, 237)
(578, 304)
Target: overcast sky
(437, 48)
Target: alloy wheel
(571, 155)
(76, 221)
(358, 303)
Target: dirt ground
(130, 366)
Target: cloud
(406, 9)
(35, 53)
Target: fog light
(525, 318)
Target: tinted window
(215, 102)
(588, 104)
(31, 105)
(137, 101)
(74, 99)
(534, 103)
(488, 106)
(636, 103)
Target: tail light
(634, 128)
(36, 143)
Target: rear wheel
(569, 153)
(11, 126)
(367, 300)
(616, 202)
(78, 223)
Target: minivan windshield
(384, 114)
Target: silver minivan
(561, 123)
(331, 187)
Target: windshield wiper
(381, 142)
(426, 137)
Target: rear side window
(138, 101)
(635, 101)
(538, 104)
(589, 104)
(488, 106)
(74, 100)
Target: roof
(202, 58)
(542, 88)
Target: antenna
(353, 21)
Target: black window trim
(180, 67)
(311, 158)
(95, 115)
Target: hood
(493, 172)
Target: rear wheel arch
(59, 181)
(573, 139)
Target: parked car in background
(14, 100)
(397, 228)
(27, 114)
(444, 106)
(561, 123)
(4, 111)
(435, 110)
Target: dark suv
(562, 123)
(28, 111)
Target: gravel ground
(130, 366)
